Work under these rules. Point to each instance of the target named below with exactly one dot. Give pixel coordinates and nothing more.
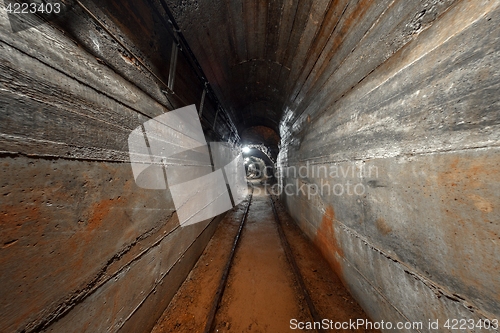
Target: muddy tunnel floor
(261, 294)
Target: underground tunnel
(249, 166)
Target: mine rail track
(223, 281)
(210, 322)
(293, 265)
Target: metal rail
(222, 283)
(294, 267)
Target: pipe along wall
(388, 117)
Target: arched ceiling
(262, 135)
(248, 50)
(278, 63)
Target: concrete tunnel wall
(83, 248)
(405, 89)
(409, 88)
(416, 131)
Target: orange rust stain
(13, 218)
(351, 20)
(327, 243)
(468, 173)
(481, 203)
(469, 201)
(18, 214)
(466, 180)
(100, 211)
(382, 226)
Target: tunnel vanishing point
(377, 122)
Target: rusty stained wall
(409, 87)
(82, 247)
(421, 241)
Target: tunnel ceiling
(271, 61)
(276, 64)
(262, 135)
(250, 51)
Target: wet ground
(261, 294)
